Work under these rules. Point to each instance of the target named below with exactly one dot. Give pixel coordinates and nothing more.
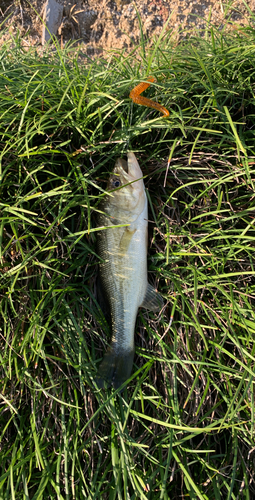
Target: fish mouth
(128, 170)
(122, 171)
(121, 164)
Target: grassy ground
(184, 428)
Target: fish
(122, 247)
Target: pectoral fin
(126, 239)
(152, 299)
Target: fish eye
(116, 183)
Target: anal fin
(152, 299)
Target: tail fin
(115, 368)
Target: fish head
(126, 186)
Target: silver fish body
(123, 271)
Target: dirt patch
(106, 24)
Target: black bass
(123, 272)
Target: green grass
(184, 427)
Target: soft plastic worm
(144, 101)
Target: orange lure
(144, 101)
